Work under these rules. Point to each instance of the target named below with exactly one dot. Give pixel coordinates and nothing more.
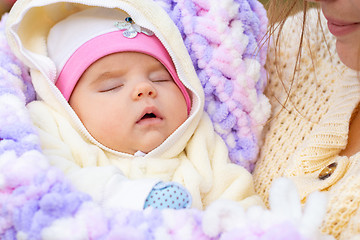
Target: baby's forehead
(118, 64)
(127, 60)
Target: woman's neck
(353, 145)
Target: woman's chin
(349, 54)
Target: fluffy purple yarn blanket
(224, 39)
(37, 202)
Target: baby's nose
(144, 89)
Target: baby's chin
(148, 145)
(145, 149)
(144, 145)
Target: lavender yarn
(233, 92)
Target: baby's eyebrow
(157, 65)
(103, 76)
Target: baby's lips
(149, 112)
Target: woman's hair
(278, 11)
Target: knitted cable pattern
(223, 39)
(37, 202)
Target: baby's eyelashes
(111, 88)
(161, 80)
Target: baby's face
(129, 102)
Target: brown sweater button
(327, 171)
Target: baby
(122, 85)
(120, 107)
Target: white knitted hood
(27, 29)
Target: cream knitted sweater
(308, 133)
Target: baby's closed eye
(159, 77)
(108, 89)
(161, 80)
(110, 85)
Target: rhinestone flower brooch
(131, 28)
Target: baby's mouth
(149, 115)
